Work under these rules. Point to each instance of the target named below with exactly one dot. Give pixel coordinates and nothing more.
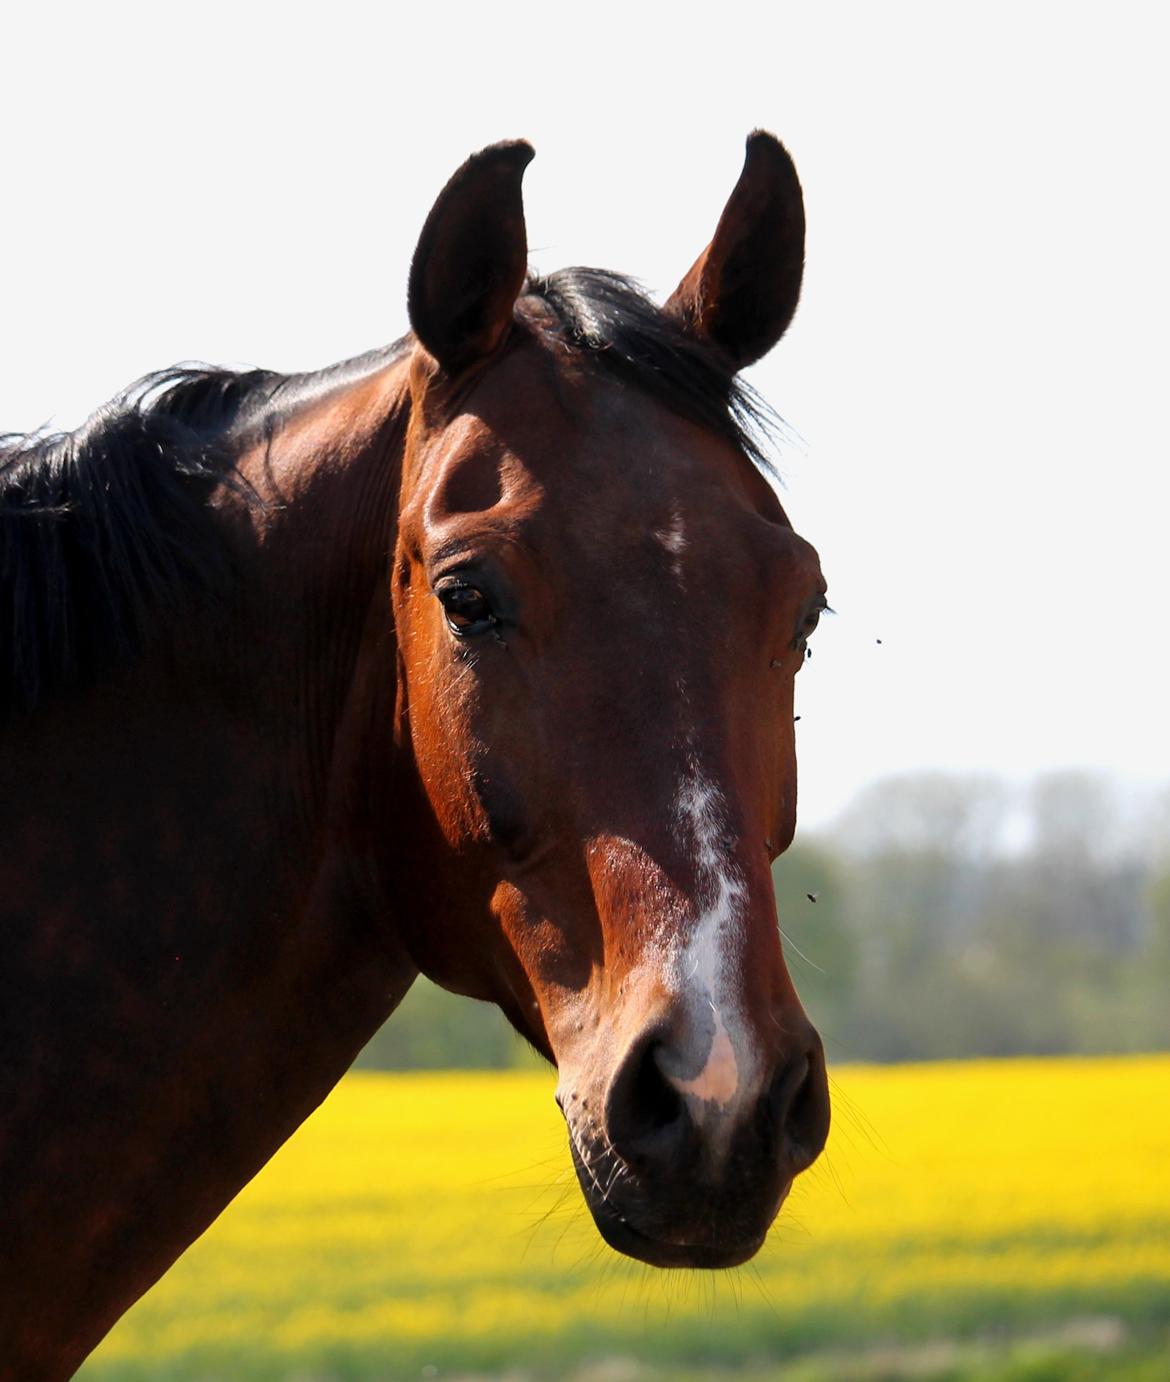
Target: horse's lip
(625, 1237)
(619, 1233)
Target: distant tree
(1154, 962)
(820, 947)
(1074, 816)
(432, 1030)
(1078, 881)
(960, 817)
(969, 949)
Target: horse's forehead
(569, 445)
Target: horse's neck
(193, 946)
(318, 570)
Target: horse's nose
(655, 1118)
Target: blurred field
(998, 1219)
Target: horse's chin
(621, 1235)
(703, 1243)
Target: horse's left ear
(743, 289)
(471, 259)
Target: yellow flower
(420, 1216)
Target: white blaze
(702, 964)
(673, 538)
(718, 1080)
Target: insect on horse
(473, 656)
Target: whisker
(787, 939)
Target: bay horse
(472, 656)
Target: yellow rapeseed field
(423, 1223)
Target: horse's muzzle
(674, 1182)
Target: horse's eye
(808, 623)
(467, 609)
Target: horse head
(600, 608)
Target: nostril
(659, 1101)
(798, 1107)
(787, 1086)
(643, 1109)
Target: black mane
(608, 316)
(103, 531)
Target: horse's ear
(471, 258)
(742, 290)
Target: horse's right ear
(471, 259)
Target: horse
(473, 656)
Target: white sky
(978, 369)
